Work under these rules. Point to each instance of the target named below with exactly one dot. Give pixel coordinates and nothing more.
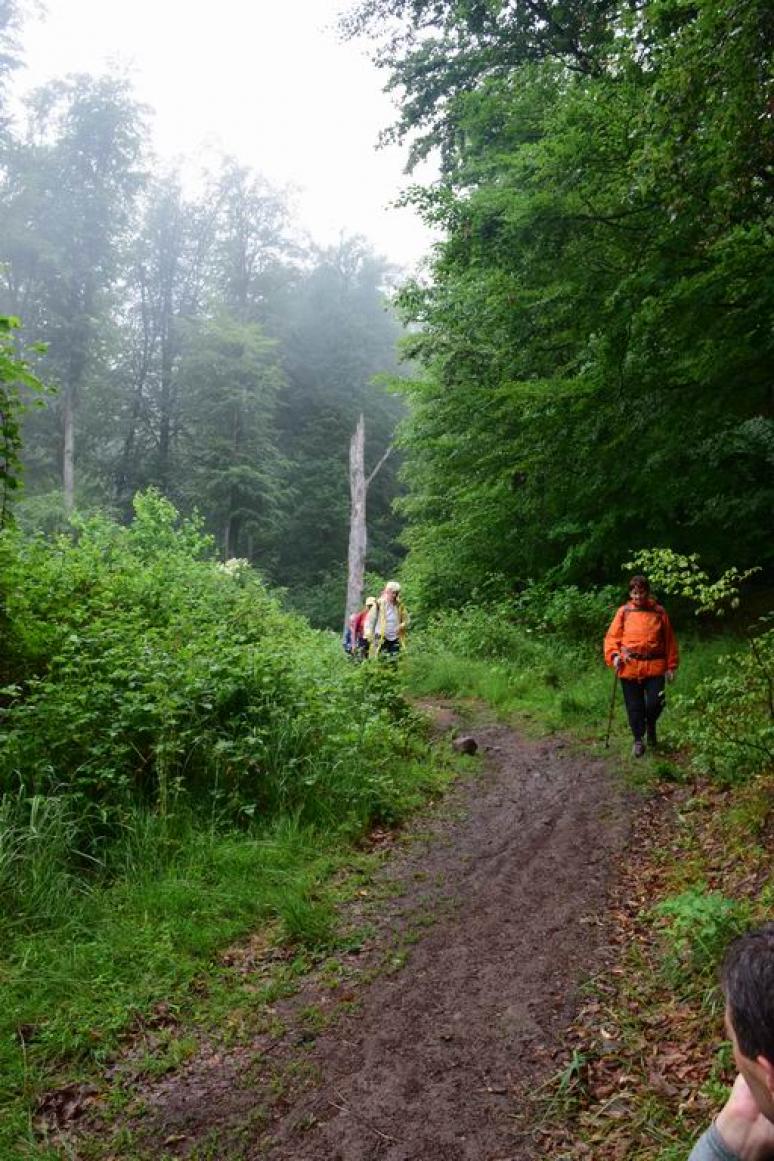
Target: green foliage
(504, 629)
(320, 599)
(730, 717)
(595, 337)
(484, 631)
(139, 674)
(14, 377)
(570, 613)
(232, 464)
(679, 575)
(700, 924)
(67, 204)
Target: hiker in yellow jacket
(387, 622)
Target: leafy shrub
(322, 602)
(141, 675)
(484, 631)
(683, 576)
(501, 630)
(700, 926)
(730, 720)
(573, 614)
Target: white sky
(264, 80)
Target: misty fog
(195, 342)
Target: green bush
(491, 631)
(502, 630)
(141, 676)
(572, 614)
(729, 721)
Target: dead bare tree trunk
(358, 491)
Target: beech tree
(229, 466)
(254, 256)
(10, 60)
(168, 289)
(69, 196)
(595, 337)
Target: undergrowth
(181, 762)
(647, 1055)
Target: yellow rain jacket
(376, 625)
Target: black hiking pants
(644, 702)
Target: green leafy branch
(679, 575)
(14, 374)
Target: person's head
(370, 602)
(639, 589)
(748, 985)
(392, 590)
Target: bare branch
(379, 466)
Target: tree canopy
(596, 332)
(197, 343)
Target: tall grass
(38, 885)
(101, 955)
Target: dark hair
(641, 582)
(748, 983)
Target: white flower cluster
(234, 566)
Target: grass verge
(146, 953)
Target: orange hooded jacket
(645, 639)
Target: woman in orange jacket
(641, 646)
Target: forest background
(587, 388)
(195, 342)
(595, 334)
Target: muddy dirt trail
(492, 916)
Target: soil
(489, 914)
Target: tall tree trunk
(68, 451)
(358, 490)
(227, 552)
(165, 400)
(76, 372)
(126, 472)
(357, 521)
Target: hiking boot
(638, 750)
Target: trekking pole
(610, 715)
